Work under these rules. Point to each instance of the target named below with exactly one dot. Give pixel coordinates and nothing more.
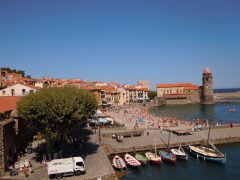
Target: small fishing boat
(167, 156)
(180, 153)
(232, 109)
(142, 158)
(118, 163)
(153, 158)
(131, 161)
(208, 152)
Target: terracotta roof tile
(8, 103)
(174, 85)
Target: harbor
(224, 135)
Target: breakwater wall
(131, 149)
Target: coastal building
(144, 84)
(136, 94)
(207, 88)
(9, 132)
(187, 93)
(18, 90)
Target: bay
(219, 113)
(194, 168)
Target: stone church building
(187, 93)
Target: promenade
(147, 142)
(96, 162)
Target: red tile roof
(8, 103)
(132, 88)
(175, 85)
(193, 87)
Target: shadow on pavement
(78, 144)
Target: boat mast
(209, 133)
(168, 140)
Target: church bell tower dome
(207, 71)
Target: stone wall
(176, 101)
(7, 144)
(2, 170)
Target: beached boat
(142, 158)
(131, 161)
(208, 152)
(167, 156)
(153, 158)
(118, 163)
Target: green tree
(56, 112)
(152, 94)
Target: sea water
(194, 168)
(219, 113)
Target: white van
(58, 168)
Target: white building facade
(17, 90)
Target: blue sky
(123, 40)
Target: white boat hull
(207, 157)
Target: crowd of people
(138, 117)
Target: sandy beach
(137, 117)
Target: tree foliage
(56, 112)
(9, 70)
(152, 94)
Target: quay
(218, 135)
(97, 152)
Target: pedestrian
(30, 167)
(25, 170)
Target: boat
(168, 156)
(131, 161)
(118, 163)
(208, 152)
(153, 158)
(232, 109)
(179, 152)
(142, 158)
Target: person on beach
(25, 170)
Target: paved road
(96, 162)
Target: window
(79, 164)
(3, 92)
(23, 91)
(13, 92)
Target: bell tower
(207, 88)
